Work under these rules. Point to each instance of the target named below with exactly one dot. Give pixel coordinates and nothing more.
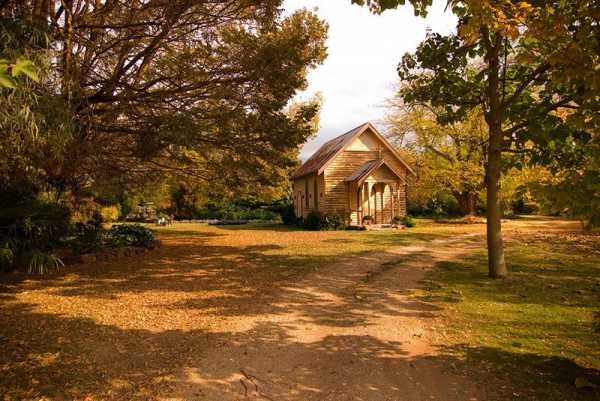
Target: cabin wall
(306, 194)
(337, 190)
(342, 166)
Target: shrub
(356, 228)
(367, 219)
(285, 210)
(28, 228)
(313, 221)
(42, 262)
(408, 221)
(132, 235)
(337, 220)
(110, 213)
(88, 237)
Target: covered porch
(376, 190)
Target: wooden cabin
(359, 173)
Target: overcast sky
(364, 50)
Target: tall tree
(450, 156)
(537, 58)
(196, 88)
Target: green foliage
(179, 112)
(408, 221)
(337, 220)
(88, 237)
(30, 230)
(232, 212)
(43, 262)
(9, 71)
(313, 221)
(285, 210)
(7, 256)
(316, 220)
(449, 158)
(532, 66)
(132, 235)
(572, 187)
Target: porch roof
(367, 168)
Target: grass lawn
(539, 327)
(119, 329)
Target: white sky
(364, 50)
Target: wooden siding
(336, 190)
(341, 167)
(305, 192)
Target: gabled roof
(364, 171)
(326, 153)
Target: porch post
(358, 205)
(393, 204)
(368, 198)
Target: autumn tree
(180, 87)
(449, 157)
(537, 59)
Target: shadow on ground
(142, 329)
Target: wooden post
(358, 205)
(369, 198)
(392, 203)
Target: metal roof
(318, 161)
(326, 152)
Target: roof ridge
(347, 132)
(322, 156)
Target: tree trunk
(466, 202)
(496, 264)
(493, 117)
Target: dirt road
(352, 331)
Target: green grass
(538, 327)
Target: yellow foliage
(110, 214)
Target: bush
(313, 221)
(337, 220)
(30, 229)
(234, 213)
(42, 262)
(89, 236)
(408, 221)
(131, 235)
(110, 213)
(285, 210)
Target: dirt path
(351, 331)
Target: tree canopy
(448, 158)
(535, 61)
(196, 88)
